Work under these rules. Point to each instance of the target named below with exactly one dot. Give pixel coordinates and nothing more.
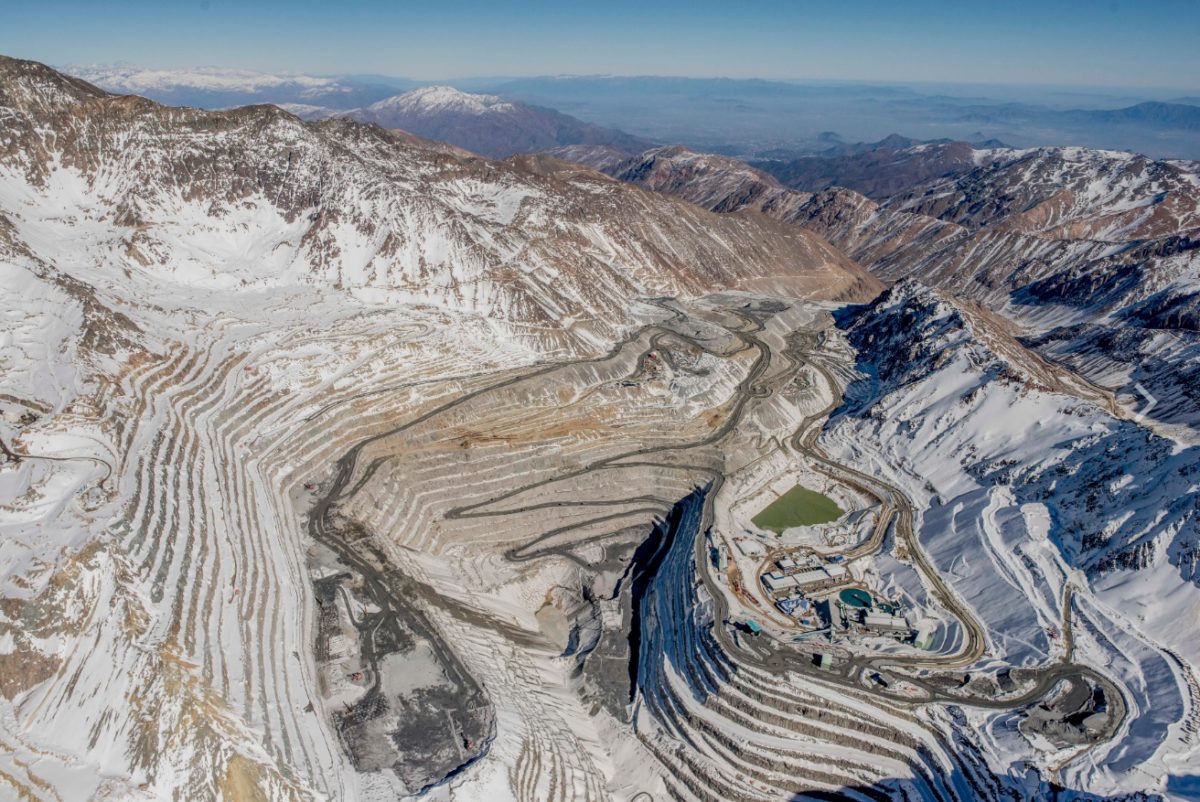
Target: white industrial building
(778, 582)
(813, 579)
(890, 624)
(925, 629)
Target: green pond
(797, 507)
(855, 597)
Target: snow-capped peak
(441, 99)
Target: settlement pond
(797, 507)
(857, 597)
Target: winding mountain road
(388, 591)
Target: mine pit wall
(674, 654)
(671, 623)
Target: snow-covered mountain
(187, 296)
(339, 463)
(433, 100)
(256, 198)
(480, 123)
(484, 124)
(1120, 496)
(1092, 253)
(1028, 484)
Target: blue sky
(1125, 44)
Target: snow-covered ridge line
(351, 206)
(985, 452)
(119, 78)
(1092, 254)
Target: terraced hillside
(206, 310)
(342, 466)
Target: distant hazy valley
(748, 118)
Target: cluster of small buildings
(792, 580)
(792, 583)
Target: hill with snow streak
(255, 198)
(1028, 485)
(1093, 254)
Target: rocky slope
(254, 198)
(1082, 249)
(911, 333)
(1028, 486)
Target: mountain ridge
(337, 187)
(1063, 241)
(485, 124)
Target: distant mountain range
(1160, 116)
(877, 169)
(481, 123)
(217, 87)
(1151, 116)
(749, 118)
(485, 124)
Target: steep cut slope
(912, 332)
(1029, 489)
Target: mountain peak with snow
(489, 125)
(444, 99)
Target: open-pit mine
(571, 543)
(342, 465)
